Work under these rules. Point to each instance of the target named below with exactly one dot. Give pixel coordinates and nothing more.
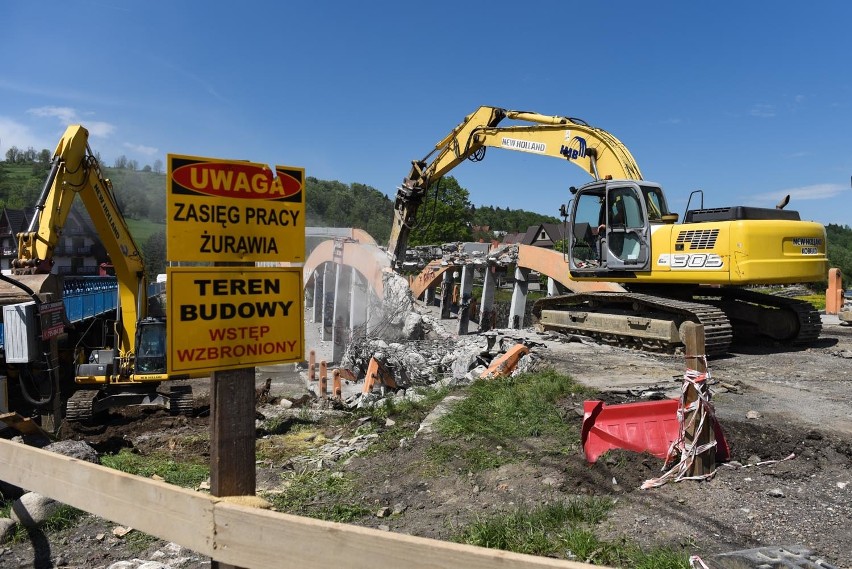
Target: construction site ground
(775, 403)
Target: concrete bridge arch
(345, 279)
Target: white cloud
(66, 115)
(762, 111)
(13, 133)
(141, 149)
(99, 129)
(814, 192)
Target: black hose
(43, 402)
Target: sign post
(231, 316)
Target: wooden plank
(24, 425)
(154, 507)
(262, 539)
(236, 534)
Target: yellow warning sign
(234, 211)
(233, 317)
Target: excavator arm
(75, 171)
(592, 149)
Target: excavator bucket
(504, 364)
(648, 426)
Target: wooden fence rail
(235, 534)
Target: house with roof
(79, 251)
(544, 235)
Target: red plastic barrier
(649, 427)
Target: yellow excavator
(132, 366)
(622, 230)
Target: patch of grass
(138, 541)
(279, 448)
(406, 414)
(479, 459)
(185, 474)
(442, 454)
(565, 530)
(318, 494)
(63, 518)
(542, 531)
(499, 413)
(817, 300)
(389, 438)
(510, 408)
(404, 408)
(658, 558)
(469, 458)
(142, 229)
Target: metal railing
(86, 297)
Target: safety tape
(701, 411)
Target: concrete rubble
(418, 349)
(459, 253)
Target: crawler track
(803, 322)
(79, 406)
(717, 328)
(722, 312)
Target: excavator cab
(612, 226)
(151, 346)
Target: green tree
(445, 215)
(12, 154)
(154, 254)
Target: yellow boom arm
(75, 171)
(592, 149)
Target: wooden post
(323, 379)
(232, 434)
(336, 386)
(834, 292)
(312, 365)
(705, 462)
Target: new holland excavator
(130, 365)
(621, 230)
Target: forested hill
(141, 196)
(450, 217)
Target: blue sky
(747, 101)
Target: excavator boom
(75, 172)
(592, 149)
